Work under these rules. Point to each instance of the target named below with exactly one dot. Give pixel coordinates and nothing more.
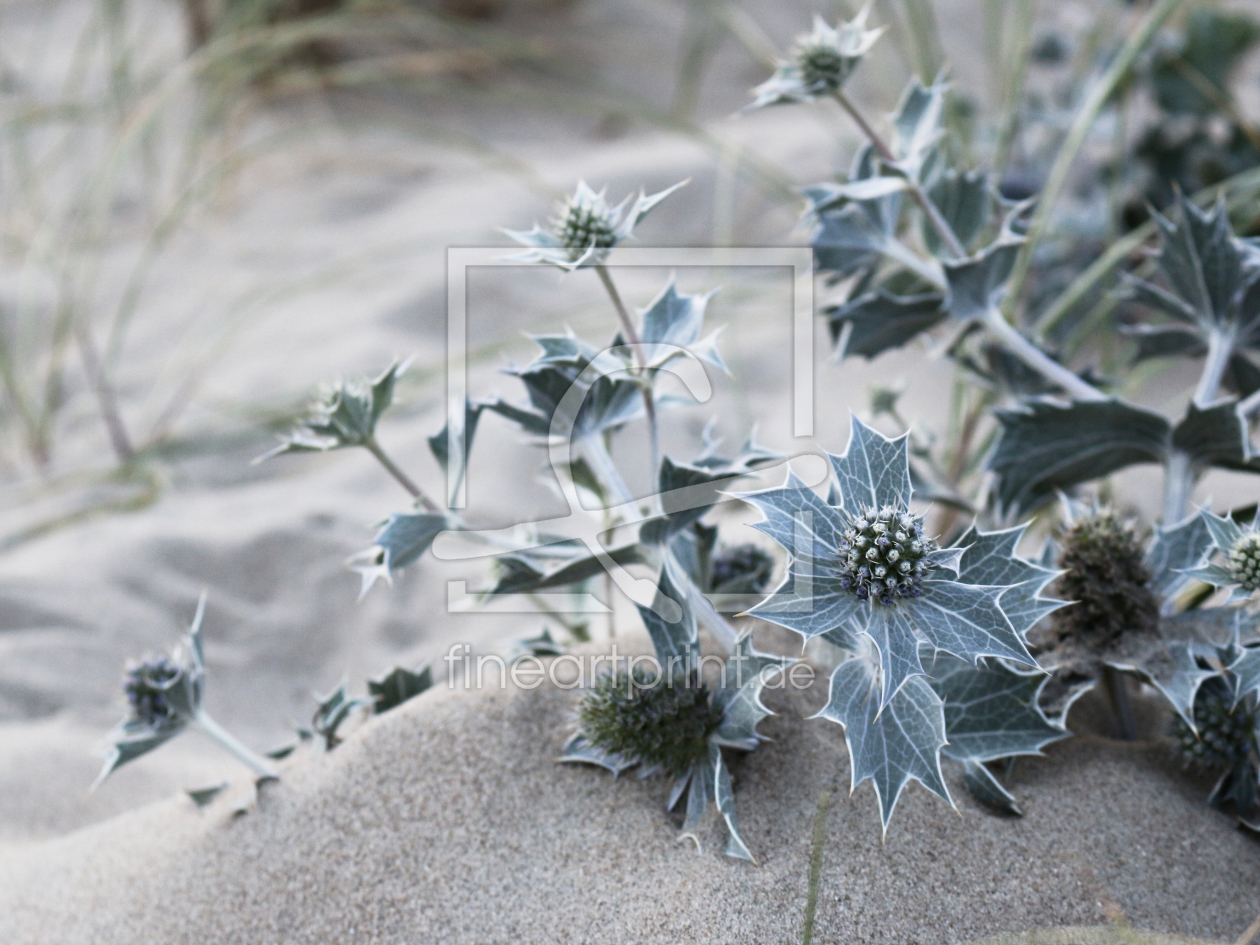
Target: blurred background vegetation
(128, 126)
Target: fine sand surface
(447, 821)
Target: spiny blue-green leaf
(579, 750)
(890, 747)
(1175, 549)
(967, 621)
(407, 535)
(967, 203)
(794, 509)
(708, 783)
(1215, 436)
(686, 493)
(397, 686)
(606, 403)
(744, 677)
(1172, 670)
(346, 415)
(1163, 301)
(439, 443)
(749, 456)
(874, 471)
(129, 741)
(990, 559)
(675, 319)
(202, 797)
(977, 284)
(988, 790)
(881, 321)
(558, 564)
(991, 709)
(857, 235)
(894, 631)
(1045, 447)
(332, 711)
(1246, 672)
(918, 127)
(676, 644)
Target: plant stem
(1220, 349)
(1178, 487)
(1077, 134)
(108, 403)
(229, 744)
(632, 336)
(815, 865)
(1118, 691)
(416, 492)
(1036, 359)
(939, 223)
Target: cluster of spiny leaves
(649, 720)
(870, 238)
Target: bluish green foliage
(894, 720)
(397, 686)
(164, 696)
(676, 723)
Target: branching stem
(1038, 360)
(403, 479)
(1220, 349)
(632, 336)
(228, 743)
(934, 216)
(1178, 487)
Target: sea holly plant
(164, 695)
(585, 228)
(666, 719)
(1238, 550)
(865, 577)
(952, 274)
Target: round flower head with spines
(145, 689)
(649, 721)
(1105, 574)
(885, 555)
(1227, 732)
(821, 65)
(1244, 561)
(585, 221)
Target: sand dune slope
(446, 820)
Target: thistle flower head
(585, 228)
(146, 683)
(585, 221)
(741, 569)
(884, 555)
(344, 414)
(821, 62)
(653, 722)
(1226, 732)
(1105, 573)
(1244, 561)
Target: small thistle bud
(583, 222)
(1227, 733)
(145, 686)
(892, 567)
(1106, 575)
(655, 724)
(1244, 561)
